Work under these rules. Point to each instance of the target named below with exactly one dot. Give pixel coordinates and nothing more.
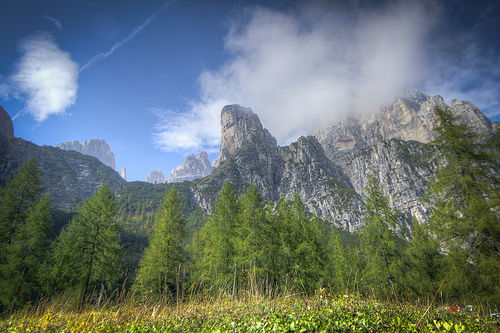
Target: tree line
(248, 245)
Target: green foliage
(160, 266)
(25, 234)
(215, 247)
(425, 262)
(19, 195)
(381, 247)
(88, 249)
(465, 212)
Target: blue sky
(150, 77)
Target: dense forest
(131, 246)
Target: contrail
(104, 55)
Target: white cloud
(297, 69)
(45, 77)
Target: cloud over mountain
(295, 69)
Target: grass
(293, 313)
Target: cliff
(97, 148)
(194, 167)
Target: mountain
(329, 168)
(156, 177)
(249, 154)
(68, 176)
(97, 148)
(194, 167)
(6, 126)
(393, 145)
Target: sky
(151, 77)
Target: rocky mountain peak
(241, 128)
(156, 177)
(97, 148)
(6, 126)
(194, 167)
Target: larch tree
(158, 276)
(88, 249)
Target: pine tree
(381, 247)
(19, 195)
(259, 246)
(26, 256)
(88, 250)
(18, 206)
(339, 269)
(465, 212)
(159, 271)
(216, 243)
(303, 246)
(425, 262)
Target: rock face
(329, 169)
(156, 177)
(6, 127)
(249, 154)
(391, 144)
(194, 167)
(97, 148)
(123, 173)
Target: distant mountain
(194, 167)
(156, 177)
(329, 169)
(68, 176)
(97, 148)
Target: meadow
(248, 313)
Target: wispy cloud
(45, 77)
(127, 39)
(54, 21)
(295, 70)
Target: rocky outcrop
(97, 148)
(123, 173)
(194, 167)
(393, 145)
(6, 127)
(249, 154)
(156, 177)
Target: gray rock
(6, 126)
(249, 154)
(194, 167)
(393, 145)
(97, 148)
(156, 177)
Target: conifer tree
(381, 247)
(217, 242)
(303, 245)
(159, 271)
(339, 269)
(465, 214)
(259, 246)
(425, 262)
(88, 249)
(26, 256)
(19, 195)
